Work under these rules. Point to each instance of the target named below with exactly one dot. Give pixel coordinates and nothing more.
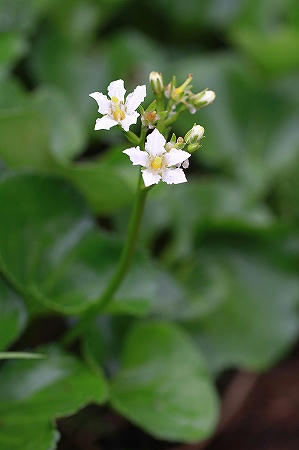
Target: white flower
(157, 162)
(116, 110)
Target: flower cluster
(159, 159)
(183, 94)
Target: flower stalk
(122, 268)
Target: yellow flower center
(118, 114)
(157, 163)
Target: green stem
(173, 118)
(129, 247)
(122, 268)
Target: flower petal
(175, 156)
(135, 98)
(185, 164)
(155, 143)
(150, 177)
(129, 120)
(117, 89)
(173, 176)
(105, 123)
(137, 157)
(102, 101)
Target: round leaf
(255, 320)
(163, 385)
(34, 391)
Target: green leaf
(21, 15)
(275, 52)
(212, 202)
(105, 188)
(126, 52)
(34, 436)
(163, 385)
(12, 93)
(12, 46)
(253, 320)
(55, 57)
(34, 391)
(67, 137)
(60, 259)
(53, 217)
(24, 138)
(93, 346)
(13, 316)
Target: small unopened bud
(157, 84)
(208, 97)
(178, 143)
(194, 135)
(203, 98)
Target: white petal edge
(175, 156)
(105, 123)
(117, 89)
(135, 98)
(155, 143)
(150, 177)
(173, 176)
(137, 157)
(129, 120)
(102, 101)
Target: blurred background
(230, 236)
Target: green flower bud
(191, 148)
(194, 135)
(157, 84)
(203, 98)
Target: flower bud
(204, 98)
(178, 143)
(194, 135)
(177, 93)
(191, 148)
(157, 84)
